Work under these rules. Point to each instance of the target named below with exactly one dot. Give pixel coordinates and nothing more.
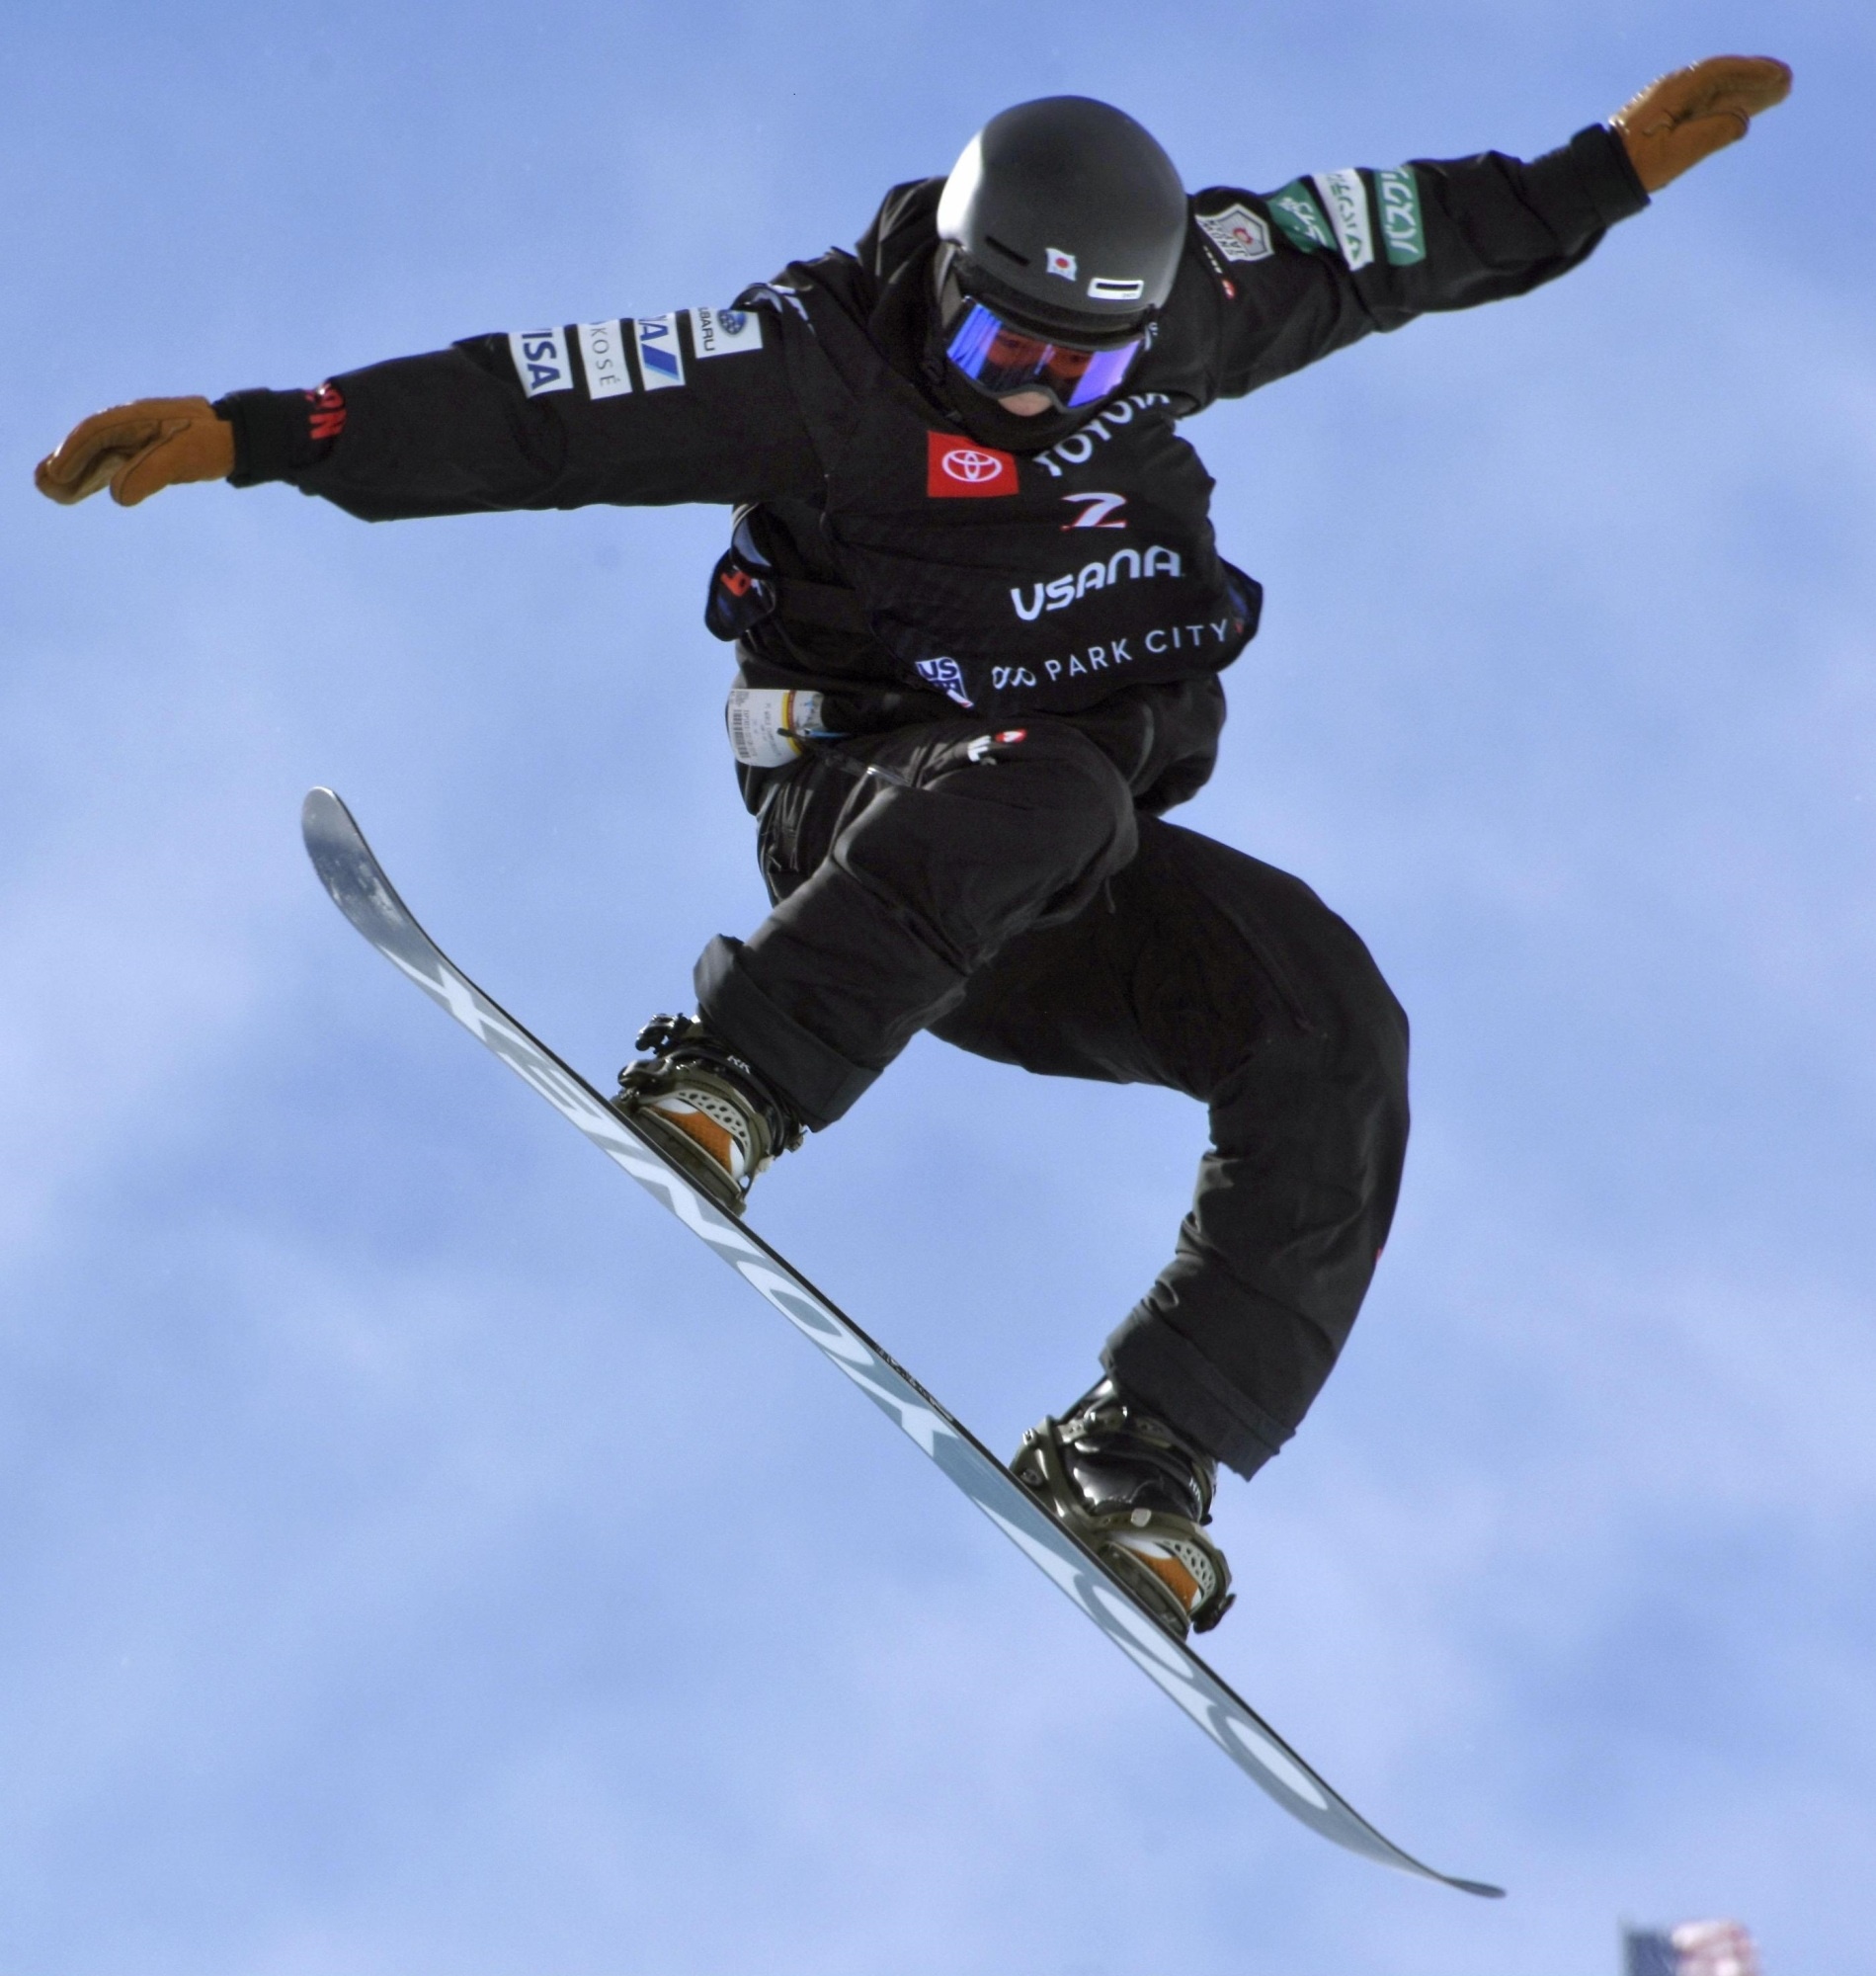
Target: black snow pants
(1001, 890)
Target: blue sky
(417, 1555)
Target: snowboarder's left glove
(138, 450)
(1686, 116)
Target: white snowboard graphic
(362, 892)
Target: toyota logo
(965, 463)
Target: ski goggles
(1002, 360)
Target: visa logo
(540, 361)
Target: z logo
(1095, 515)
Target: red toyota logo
(965, 462)
(955, 468)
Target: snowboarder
(980, 621)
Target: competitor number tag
(765, 721)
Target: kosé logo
(959, 468)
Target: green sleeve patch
(1401, 229)
(1301, 220)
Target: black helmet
(1068, 216)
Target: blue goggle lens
(1002, 361)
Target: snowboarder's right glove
(138, 450)
(1683, 118)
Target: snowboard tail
(361, 891)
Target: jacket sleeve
(1327, 259)
(694, 406)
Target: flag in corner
(1694, 1948)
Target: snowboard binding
(1135, 1491)
(705, 1108)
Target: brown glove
(138, 450)
(1687, 116)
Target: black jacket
(907, 551)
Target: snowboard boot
(1135, 1491)
(708, 1113)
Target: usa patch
(949, 677)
